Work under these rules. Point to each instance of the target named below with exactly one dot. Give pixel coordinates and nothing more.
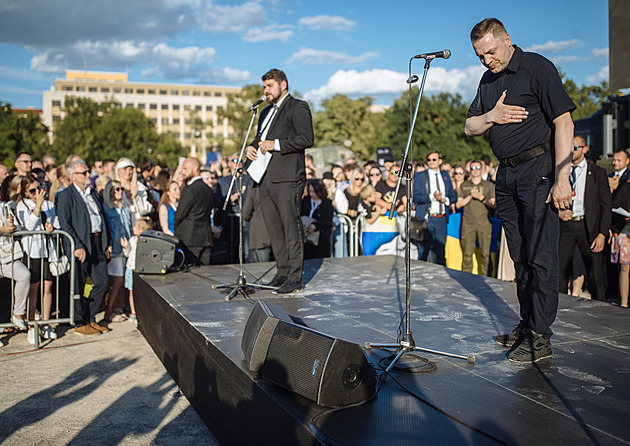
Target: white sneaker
(48, 332)
(20, 323)
(30, 337)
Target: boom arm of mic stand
(240, 159)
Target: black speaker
(156, 252)
(329, 371)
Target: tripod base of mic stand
(241, 286)
(408, 345)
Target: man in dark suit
(586, 224)
(192, 218)
(285, 129)
(81, 215)
(433, 194)
(621, 174)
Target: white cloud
(268, 33)
(309, 56)
(600, 53)
(557, 60)
(328, 23)
(602, 75)
(388, 82)
(225, 19)
(555, 47)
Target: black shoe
(532, 348)
(509, 339)
(290, 286)
(277, 281)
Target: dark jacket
(421, 195)
(192, 218)
(597, 202)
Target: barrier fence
(63, 283)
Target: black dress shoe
(290, 286)
(277, 281)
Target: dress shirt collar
(193, 180)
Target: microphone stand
(407, 343)
(240, 286)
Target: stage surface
(580, 396)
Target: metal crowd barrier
(353, 228)
(69, 276)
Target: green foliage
(236, 111)
(588, 98)
(105, 130)
(439, 126)
(21, 132)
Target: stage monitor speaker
(329, 371)
(156, 252)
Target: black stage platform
(580, 396)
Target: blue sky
(358, 48)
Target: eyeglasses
(25, 161)
(577, 147)
(84, 173)
(375, 174)
(459, 173)
(234, 160)
(359, 179)
(475, 167)
(117, 189)
(433, 159)
(32, 191)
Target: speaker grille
(296, 359)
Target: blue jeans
(437, 239)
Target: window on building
(175, 106)
(164, 106)
(56, 118)
(185, 93)
(117, 90)
(209, 107)
(140, 91)
(198, 107)
(152, 106)
(129, 105)
(175, 120)
(217, 94)
(56, 103)
(154, 120)
(186, 107)
(67, 88)
(151, 91)
(104, 89)
(128, 90)
(92, 89)
(80, 88)
(196, 93)
(141, 106)
(174, 92)
(206, 93)
(163, 92)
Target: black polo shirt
(531, 82)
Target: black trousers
(531, 229)
(280, 203)
(95, 267)
(573, 233)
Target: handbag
(59, 267)
(418, 229)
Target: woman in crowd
(352, 193)
(168, 206)
(458, 176)
(119, 219)
(318, 207)
(61, 182)
(37, 214)
(136, 194)
(620, 245)
(375, 175)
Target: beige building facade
(189, 112)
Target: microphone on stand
(445, 54)
(413, 79)
(258, 102)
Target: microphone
(445, 54)
(258, 102)
(413, 79)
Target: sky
(357, 48)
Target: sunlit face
(476, 170)
(126, 173)
(81, 176)
(174, 192)
(579, 150)
(494, 52)
(620, 161)
(434, 161)
(274, 90)
(375, 175)
(31, 190)
(117, 191)
(206, 177)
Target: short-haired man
(81, 215)
(476, 196)
(433, 194)
(23, 164)
(621, 174)
(586, 224)
(285, 129)
(522, 103)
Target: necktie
(572, 177)
(437, 184)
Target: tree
(439, 126)
(588, 98)
(237, 113)
(346, 120)
(21, 132)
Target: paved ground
(107, 389)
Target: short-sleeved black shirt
(532, 82)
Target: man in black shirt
(521, 102)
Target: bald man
(192, 218)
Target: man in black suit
(285, 129)
(192, 218)
(621, 174)
(81, 214)
(586, 224)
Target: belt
(525, 156)
(437, 215)
(578, 218)
(96, 234)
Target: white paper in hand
(257, 168)
(621, 211)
